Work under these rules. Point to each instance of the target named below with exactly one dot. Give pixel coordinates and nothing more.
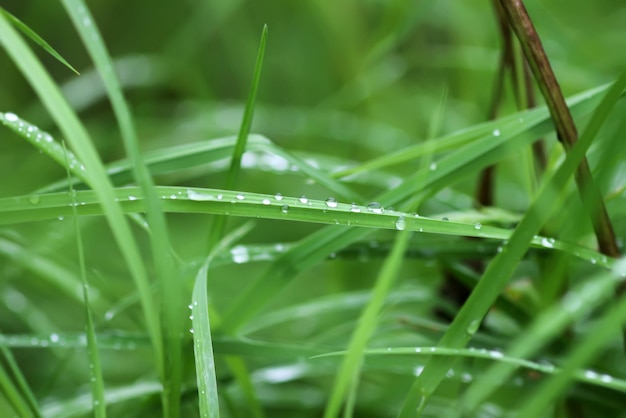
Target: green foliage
(319, 293)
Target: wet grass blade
(171, 301)
(77, 136)
(202, 341)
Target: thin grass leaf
(95, 370)
(495, 277)
(246, 123)
(499, 358)
(36, 38)
(203, 345)
(348, 373)
(171, 300)
(82, 145)
(219, 223)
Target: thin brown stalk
(562, 118)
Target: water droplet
(240, 254)
(284, 208)
(34, 199)
(606, 378)
(60, 218)
(478, 225)
(433, 166)
(131, 197)
(331, 202)
(445, 218)
(54, 338)
(303, 200)
(547, 242)
(355, 208)
(193, 195)
(11, 117)
(375, 207)
(240, 197)
(266, 202)
(499, 249)
(496, 132)
(418, 349)
(400, 223)
(278, 196)
(473, 326)
(191, 330)
(495, 354)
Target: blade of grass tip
(237, 365)
(97, 383)
(36, 38)
(77, 136)
(171, 290)
(219, 222)
(349, 369)
(588, 349)
(500, 269)
(201, 328)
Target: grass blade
(219, 222)
(93, 169)
(347, 375)
(171, 300)
(202, 342)
(95, 370)
(36, 38)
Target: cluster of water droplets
(42, 140)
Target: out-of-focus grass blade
(348, 373)
(36, 38)
(202, 342)
(18, 393)
(497, 357)
(95, 370)
(171, 289)
(610, 323)
(578, 302)
(80, 405)
(78, 138)
(500, 269)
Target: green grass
(280, 205)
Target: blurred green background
(352, 79)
